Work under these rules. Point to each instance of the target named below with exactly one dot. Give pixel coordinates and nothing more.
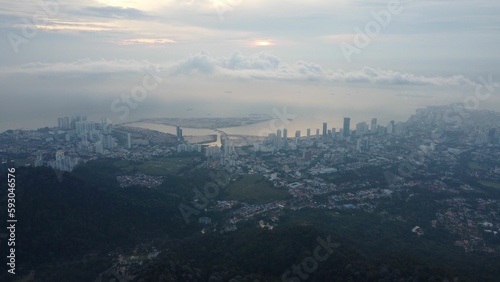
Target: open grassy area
(255, 189)
(475, 166)
(330, 177)
(495, 185)
(157, 167)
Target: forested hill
(72, 227)
(84, 214)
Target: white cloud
(263, 66)
(83, 67)
(268, 66)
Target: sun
(263, 43)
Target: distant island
(210, 122)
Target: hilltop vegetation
(69, 226)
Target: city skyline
(181, 58)
(238, 140)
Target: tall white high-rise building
(373, 125)
(99, 148)
(39, 159)
(63, 123)
(109, 142)
(129, 141)
(359, 144)
(212, 151)
(285, 138)
(62, 162)
(84, 139)
(361, 128)
(179, 133)
(84, 127)
(390, 127)
(279, 140)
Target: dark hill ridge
(68, 229)
(61, 221)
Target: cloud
(262, 66)
(268, 66)
(113, 12)
(149, 41)
(200, 62)
(81, 68)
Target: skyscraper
(63, 123)
(347, 125)
(279, 140)
(39, 159)
(373, 125)
(109, 142)
(62, 162)
(324, 130)
(179, 133)
(361, 128)
(390, 127)
(285, 138)
(129, 143)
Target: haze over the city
(323, 59)
(250, 140)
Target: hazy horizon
(232, 58)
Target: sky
(125, 60)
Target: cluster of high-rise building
(188, 148)
(97, 138)
(86, 132)
(82, 127)
(212, 152)
(103, 142)
(88, 136)
(362, 132)
(70, 123)
(62, 162)
(278, 140)
(64, 123)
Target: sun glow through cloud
(263, 43)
